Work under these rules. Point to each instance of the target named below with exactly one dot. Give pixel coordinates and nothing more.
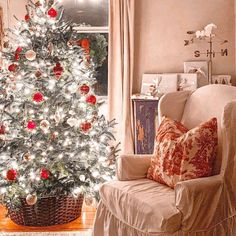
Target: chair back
(205, 103)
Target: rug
(48, 234)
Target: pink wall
(11, 8)
(161, 27)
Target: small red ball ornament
(19, 50)
(31, 125)
(84, 89)
(17, 57)
(86, 126)
(52, 12)
(2, 129)
(85, 43)
(11, 175)
(45, 174)
(12, 67)
(58, 70)
(91, 99)
(27, 17)
(38, 97)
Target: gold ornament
(6, 44)
(31, 199)
(38, 74)
(27, 157)
(30, 55)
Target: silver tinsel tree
(52, 140)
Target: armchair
(136, 206)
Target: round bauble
(31, 125)
(38, 97)
(2, 129)
(30, 55)
(17, 57)
(38, 74)
(45, 174)
(27, 18)
(86, 126)
(6, 44)
(44, 125)
(11, 175)
(52, 13)
(12, 68)
(91, 99)
(19, 49)
(85, 43)
(31, 199)
(84, 89)
(27, 157)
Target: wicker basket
(48, 211)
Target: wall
(11, 8)
(161, 27)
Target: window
(93, 13)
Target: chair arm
(131, 167)
(198, 199)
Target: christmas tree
(52, 139)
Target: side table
(145, 113)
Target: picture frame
(201, 68)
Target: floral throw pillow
(181, 154)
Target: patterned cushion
(181, 154)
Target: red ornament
(12, 67)
(19, 50)
(11, 175)
(45, 174)
(38, 97)
(91, 99)
(86, 126)
(85, 43)
(17, 57)
(52, 12)
(27, 18)
(2, 129)
(84, 89)
(58, 70)
(31, 125)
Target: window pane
(90, 12)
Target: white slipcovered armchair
(136, 206)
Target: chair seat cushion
(143, 204)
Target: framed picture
(200, 68)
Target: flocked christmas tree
(52, 140)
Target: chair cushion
(143, 204)
(181, 154)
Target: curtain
(120, 70)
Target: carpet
(47, 234)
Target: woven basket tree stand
(48, 211)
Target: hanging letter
(197, 53)
(224, 52)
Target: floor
(84, 223)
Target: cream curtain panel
(120, 72)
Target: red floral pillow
(181, 154)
